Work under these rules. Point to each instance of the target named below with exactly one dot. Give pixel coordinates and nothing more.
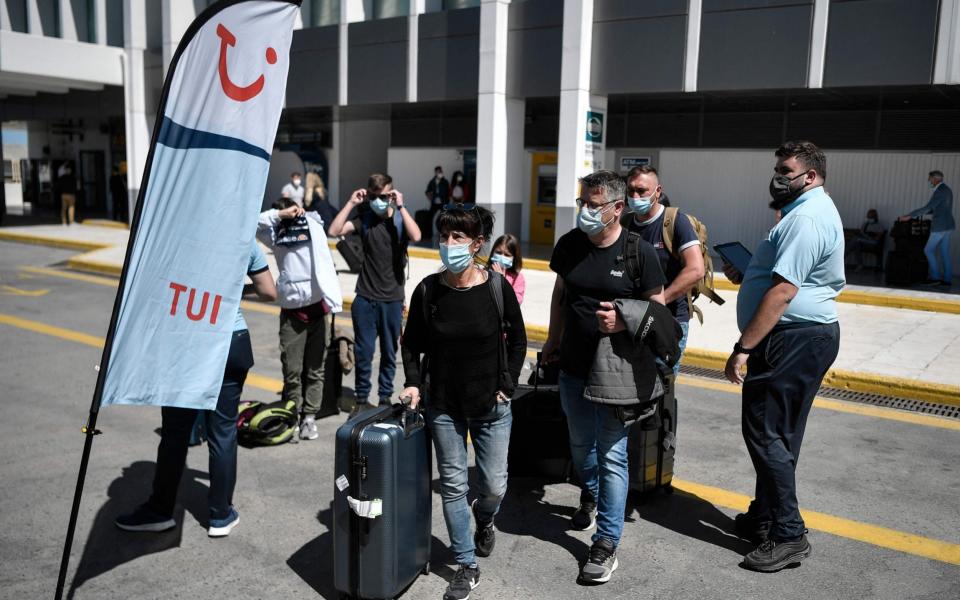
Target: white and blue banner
(199, 201)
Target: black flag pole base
(89, 432)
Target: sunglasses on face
(463, 206)
(387, 196)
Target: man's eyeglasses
(581, 204)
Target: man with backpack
(593, 274)
(386, 228)
(674, 237)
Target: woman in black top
(473, 361)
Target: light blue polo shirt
(257, 264)
(806, 249)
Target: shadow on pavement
(314, 561)
(524, 512)
(109, 547)
(689, 515)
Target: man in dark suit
(938, 246)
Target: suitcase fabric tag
(342, 482)
(368, 509)
(669, 441)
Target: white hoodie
(307, 272)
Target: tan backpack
(705, 285)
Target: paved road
(880, 488)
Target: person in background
(458, 188)
(437, 192)
(315, 199)
(67, 182)
(386, 228)
(454, 320)
(505, 258)
(868, 238)
(309, 291)
(118, 194)
(938, 246)
(156, 514)
(294, 190)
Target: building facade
(527, 95)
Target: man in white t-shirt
(294, 189)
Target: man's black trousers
(783, 376)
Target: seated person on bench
(868, 239)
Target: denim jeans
(221, 428)
(491, 443)
(598, 443)
(373, 319)
(938, 255)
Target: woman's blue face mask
(456, 257)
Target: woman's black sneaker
(485, 538)
(773, 555)
(462, 583)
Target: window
(319, 13)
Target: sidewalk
(895, 342)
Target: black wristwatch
(739, 349)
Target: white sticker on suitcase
(342, 482)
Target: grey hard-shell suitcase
(382, 503)
(651, 445)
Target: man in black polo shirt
(591, 273)
(682, 264)
(386, 228)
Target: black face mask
(781, 192)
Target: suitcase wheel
(426, 569)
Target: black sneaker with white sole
(773, 555)
(601, 563)
(144, 519)
(586, 515)
(485, 537)
(463, 582)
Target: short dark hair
(936, 173)
(512, 244)
(282, 203)
(642, 170)
(437, 168)
(614, 187)
(476, 222)
(378, 181)
(295, 174)
(807, 154)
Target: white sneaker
(308, 429)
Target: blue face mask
(456, 257)
(379, 206)
(641, 206)
(506, 261)
(590, 220)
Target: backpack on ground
(260, 424)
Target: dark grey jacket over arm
(624, 370)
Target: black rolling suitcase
(381, 503)
(897, 269)
(351, 249)
(539, 438)
(651, 445)
(424, 222)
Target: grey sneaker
(295, 438)
(601, 563)
(308, 429)
(463, 582)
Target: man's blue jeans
(938, 255)
(491, 443)
(598, 443)
(373, 319)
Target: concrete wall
(412, 168)
(727, 189)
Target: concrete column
(100, 20)
(576, 155)
(134, 96)
(818, 43)
(4, 17)
(34, 25)
(68, 25)
(177, 16)
(946, 68)
(417, 8)
(350, 11)
(493, 116)
(691, 61)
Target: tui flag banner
(197, 210)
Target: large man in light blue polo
(790, 336)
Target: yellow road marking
(874, 535)
(15, 291)
(871, 534)
(51, 330)
(107, 281)
(865, 410)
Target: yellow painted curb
(939, 393)
(105, 223)
(79, 263)
(39, 240)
